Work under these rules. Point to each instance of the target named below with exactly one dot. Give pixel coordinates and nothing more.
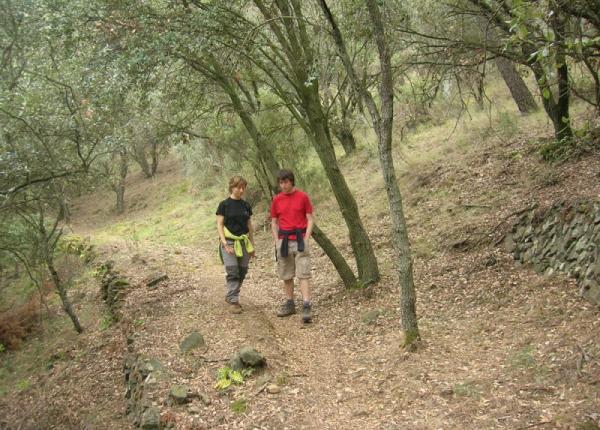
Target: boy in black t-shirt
(236, 234)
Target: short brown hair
(236, 181)
(284, 174)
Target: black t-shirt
(236, 213)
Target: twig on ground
(541, 423)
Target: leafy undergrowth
(502, 347)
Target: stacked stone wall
(562, 238)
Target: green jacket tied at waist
(237, 243)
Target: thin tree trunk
(383, 124)
(368, 270)
(338, 260)
(62, 292)
(119, 186)
(563, 118)
(154, 158)
(385, 127)
(139, 155)
(344, 134)
(517, 87)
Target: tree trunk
(383, 125)
(338, 260)
(154, 156)
(62, 292)
(119, 186)
(265, 155)
(139, 155)
(368, 270)
(557, 107)
(517, 87)
(344, 134)
(384, 133)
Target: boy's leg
(288, 289)
(288, 307)
(303, 271)
(286, 266)
(305, 289)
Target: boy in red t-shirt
(292, 225)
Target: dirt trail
(498, 353)
(317, 368)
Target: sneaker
(235, 308)
(306, 313)
(287, 309)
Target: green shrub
(226, 376)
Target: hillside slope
(503, 347)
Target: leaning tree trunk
(338, 260)
(290, 29)
(62, 292)
(368, 270)
(139, 155)
(517, 87)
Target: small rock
(273, 389)
(360, 413)
(154, 280)
(150, 419)
(205, 399)
(192, 341)
(195, 409)
(236, 363)
(251, 357)
(179, 394)
(372, 316)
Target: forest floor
(502, 347)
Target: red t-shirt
(291, 210)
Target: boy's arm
(310, 225)
(275, 228)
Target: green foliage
(106, 322)
(2, 347)
(77, 245)
(239, 406)
(23, 385)
(507, 123)
(138, 322)
(562, 150)
(226, 376)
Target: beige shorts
(296, 263)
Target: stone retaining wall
(138, 370)
(562, 238)
(113, 288)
